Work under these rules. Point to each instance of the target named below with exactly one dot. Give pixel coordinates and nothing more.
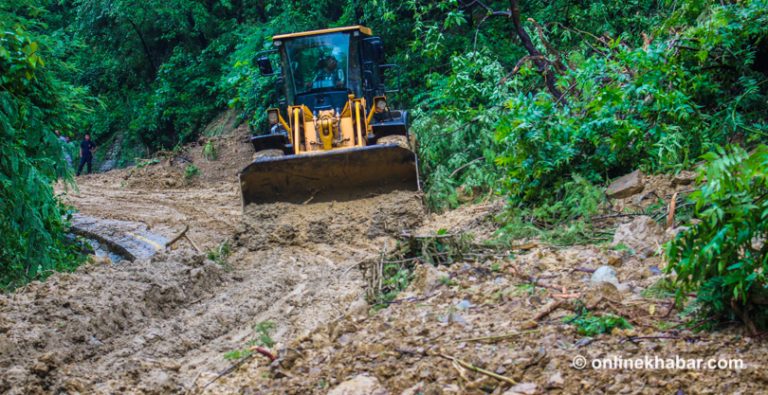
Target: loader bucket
(340, 174)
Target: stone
(603, 291)
(464, 304)
(522, 389)
(426, 278)
(555, 380)
(359, 385)
(415, 389)
(604, 274)
(643, 235)
(626, 186)
(684, 178)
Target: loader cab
(320, 69)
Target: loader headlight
(272, 116)
(381, 104)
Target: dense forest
(541, 102)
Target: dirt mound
(493, 319)
(217, 156)
(89, 323)
(163, 325)
(330, 223)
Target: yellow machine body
(327, 153)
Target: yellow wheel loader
(333, 135)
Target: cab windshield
(319, 63)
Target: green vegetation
(209, 151)
(263, 339)
(191, 171)
(220, 254)
(396, 270)
(33, 103)
(588, 324)
(724, 256)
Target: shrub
(724, 256)
(588, 324)
(209, 151)
(32, 105)
(191, 171)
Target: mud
(490, 316)
(163, 324)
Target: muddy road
(163, 324)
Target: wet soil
(163, 324)
(486, 312)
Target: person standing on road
(87, 147)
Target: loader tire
(266, 154)
(402, 141)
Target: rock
(359, 385)
(684, 178)
(522, 389)
(626, 186)
(426, 278)
(464, 304)
(555, 380)
(415, 389)
(358, 307)
(604, 274)
(107, 165)
(603, 291)
(643, 235)
(671, 233)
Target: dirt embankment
(511, 313)
(163, 325)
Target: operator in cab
(329, 74)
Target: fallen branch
(263, 351)
(464, 166)
(179, 237)
(548, 309)
(498, 337)
(671, 211)
(311, 197)
(635, 339)
(239, 363)
(193, 243)
(476, 369)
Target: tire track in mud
(162, 325)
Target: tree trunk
(146, 47)
(538, 59)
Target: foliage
(191, 171)
(32, 105)
(588, 324)
(220, 254)
(147, 162)
(398, 267)
(454, 128)
(560, 219)
(724, 255)
(264, 339)
(209, 151)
